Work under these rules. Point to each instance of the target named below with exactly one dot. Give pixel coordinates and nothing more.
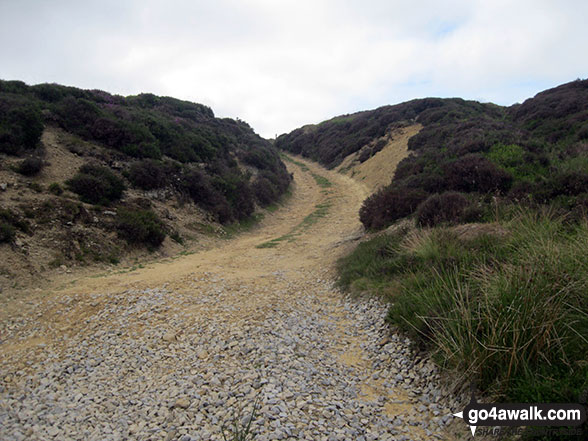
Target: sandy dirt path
(269, 291)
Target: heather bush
(388, 205)
(474, 173)
(7, 232)
(560, 183)
(448, 207)
(264, 191)
(97, 184)
(77, 115)
(30, 166)
(429, 182)
(21, 126)
(148, 127)
(55, 188)
(234, 186)
(9, 223)
(49, 92)
(140, 227)
(199, 188)
(149, 175)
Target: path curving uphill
(177, 349)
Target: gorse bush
(97, 184)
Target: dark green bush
(140, 227)
(7, 232)
(21, 126)
(30, 166)
(474, 173)
(77, 115)
(149, 175)
(147, 127)
(198, 186)
(97, 184)
(9, 223)
(56, 189)
(388, 205)
(49, 92)
(265, 191)
(447, 207)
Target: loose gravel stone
(267, 338)
(119, 383)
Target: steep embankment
(171, 350)
(375, 171)
(87, 177)
(532, 153)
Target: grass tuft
(508, 311)
(240, 428)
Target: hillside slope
(86, 176)
(535, 152)
(183, 347)
(483, 259)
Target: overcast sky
(280, 64)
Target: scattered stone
(182, 403)
(170, 336)
(117, 381)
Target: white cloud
(282, 64)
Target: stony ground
(183, 347)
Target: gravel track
(179, 349)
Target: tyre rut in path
(170, 351)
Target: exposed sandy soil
(56, 248)
(378, 170)
(43, 317)
(237, 259)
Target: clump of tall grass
(240, 427)
(509, 311)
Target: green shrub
(474, 173)
(140, 227)
(265, 192)
(96, 184)
(507, 311)
(30, 166)
(56, 189)
(448, 207)
(7, 232)
(149, 175)
(21, 127)
(9, 223)
(389, 204)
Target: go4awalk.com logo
(517, 415)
